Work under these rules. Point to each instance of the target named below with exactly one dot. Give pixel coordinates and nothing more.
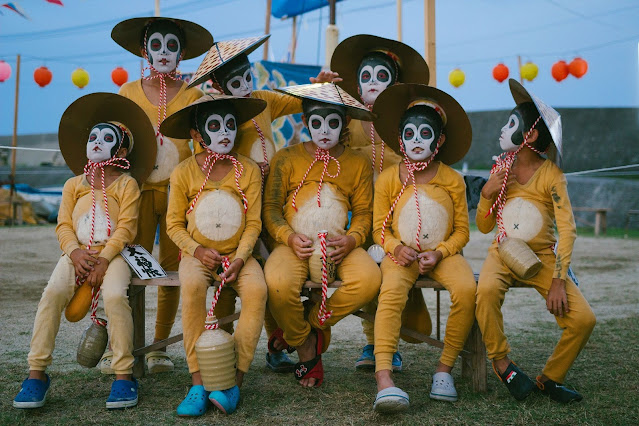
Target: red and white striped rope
(263, 140)
(322, 314)
(324, 156)
(225, 266)
(374, 154)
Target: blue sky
(471, 34)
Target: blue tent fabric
(290, 8)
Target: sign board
(143, 264)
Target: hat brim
(80, 117)
(128, 34)
(392, 103)
(178, 124)
(355, 113)
(349, 53)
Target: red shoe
(278, 336)
(313, 369)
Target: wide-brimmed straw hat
(348, 56)
(178, 125)
(80, 117)
(550, 116)
(393, 102)
(130, 33)
(331, 94)
(222, 53)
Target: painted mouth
(97, 148)
(225, 142)
(164, 61)
(418, 150)
(325, 140)
(373, 90)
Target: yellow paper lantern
(80, 77)
(529, 71)
(456, 77)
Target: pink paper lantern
(5, 71)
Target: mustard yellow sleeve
(384, 198)
(127, 225)
(281, 104)
(461, 231)
(275, 193)
(253, 225)
(176, 211)
(64, 230)
(485, 222)
(362, 204)
(565, 224)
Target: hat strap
(374, 154)
(324, 156)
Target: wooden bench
(600, 218)
(474, 366)
(629, 216)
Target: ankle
(384, 379)
(37, 374)
(128, 377)
(196, 378)
(501, 364)
(443, 368)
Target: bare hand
(209, 257)
(264, 166)
(96, 277)
(557, 300)
(343, 244)
(428, 260)
(83, 261)
(493, 185)
(326, 77)
(232, 271)
(301, 245)
(404, 255)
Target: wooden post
(474, 367)
(136, 301)
(157, 8)
(399, 20)
(332, 34)
(293, 40)
(14, 143)
(521, 79)
(429, 40)
(267, 28)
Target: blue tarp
(290, 8)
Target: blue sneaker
(195, 403)
(226, 400)
(124, 394)
(367, 360)
(32, 394)
(397, 362)
(279, 362)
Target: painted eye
(214, 126)
(230, 124)
(235, 84)
(316, 124)
(92, 137)
(333, 123)
(108, 138)
(409, 134)
(382, 76)
(366, 77)
(172, 45)
(155, 44)
(426, 134)
(249, 78)
(511, 124)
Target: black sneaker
(558, 392)
(518, 383)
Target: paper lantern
(80, 77)
(5, 71)
(559, 70)
(578, 67)
(529, 71)
(42, 76)
(500, 72)
(456, 77)
(119, 76)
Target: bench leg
(136, 300)
(474, 366)
(597, 223)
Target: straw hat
(550, 116)
(349, 53)
(223, 52)
(80, 117)
(178, 124)
(331, 94)
(130, 33)
(393, 102)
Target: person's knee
(488, 291)
(464, 296)
(114, 296)
(584, 322)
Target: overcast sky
(471, 34)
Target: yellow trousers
(577, 324)
(153, 204)
(455, 274)
(285, 276)
(57, 295)
(195, 280)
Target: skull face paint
(104, 142)
(325, 123)
(236, 78)
(421, 127)
(376, 72)
(218, 126)
(512, 133)
(163, 45)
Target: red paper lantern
(42, 76)
(119, 76)
(560, 70)
(578, 67)
(500, 72)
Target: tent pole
(332, 34)
(429, 40)
(521, 79)
(157, 7)
(14, 142)
(399, 20)
(294, 40)
(267, 28)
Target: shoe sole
(365, 365)
(397, 369)
(160, 369)
(121, 404)
(440, 397)
(36, 404)
(389, 406)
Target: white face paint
(164, 51)
(418, 140)
(221, 133)
(325, 131)
(102, 141)
(507, 132)
(373, 81)
(241, 85)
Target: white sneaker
(443, 388)
(391, 400)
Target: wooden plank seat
(600, 223)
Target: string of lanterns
(79, 77)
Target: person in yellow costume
(102, 137)
(310, 190)
(162, 42)
(214, 218)
(420, 218)
(525, 196)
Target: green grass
(605, 373)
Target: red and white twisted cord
(225, 266)
(374, 154)
(324, 156)
(263, 141)
(322, 314)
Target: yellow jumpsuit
(74, 232)
(218, 222)
(529, 214)
(444, 213)
(285, 273)
(154, 200)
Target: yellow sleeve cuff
(108, 252)
(68, 249)
(443, 250)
